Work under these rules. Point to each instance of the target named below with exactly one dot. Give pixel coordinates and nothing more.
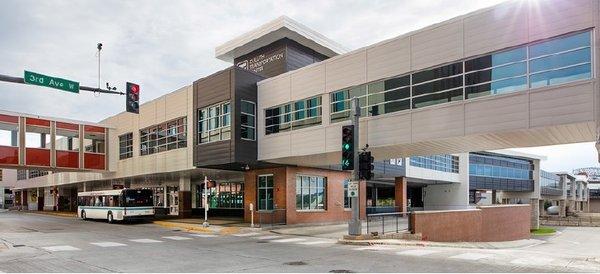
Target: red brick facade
(284, 192)
(484, 224)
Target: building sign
(257, 63)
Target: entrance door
(173, 201)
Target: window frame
(128, 137)
(290, 118)
(155, 139)
(248, 127)
(265, 189)
(316, 188)
(221, 117)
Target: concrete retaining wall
(483, 224)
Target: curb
(433, 244)
(188, 227)
(64, 215)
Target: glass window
(445, 162)
(248, 120)
(295, 115)
(214, 123)
(311, 192)
(265, 192)
(126, 146)
(438, 98)
(163, 137)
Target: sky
(165, 45)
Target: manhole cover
(18, 245)
(176, 230)
(295, 263)
(341, 271)
(261, 242)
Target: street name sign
(51, 82)
(353, 189)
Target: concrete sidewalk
(217, 226)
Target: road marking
(288, 240)
(203, 235)
(268, 237)
(316, 243)
(177, 238)
(416, 252)
(146, 241)
(471, 256)
(532, 261)
(246, 234)
(375, 248)
(108, 244)
(61, 248)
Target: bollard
(251, 215)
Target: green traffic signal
(346, 146)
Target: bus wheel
(110, 218)
(83, 215)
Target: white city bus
(115, 205)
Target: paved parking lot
(39, 243)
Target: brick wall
(483, 224)
(285, 194)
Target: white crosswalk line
(532, 261)
(203, 235)
(417, 252)
(108, 244)
(316, 242)
(375, 247)
(288, 240)
(61, 248)
(471, 256)
(246, 234)
(268, 237)
(146, 241)
(177, 238)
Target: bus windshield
(137, 197)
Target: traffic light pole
(355, 226)
(20, 80)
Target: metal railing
(393, 222)
(270, 217)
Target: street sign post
(37, 79)
(353, 189)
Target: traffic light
(365, 165)
(348, 147)
(132, 102)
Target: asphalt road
(37, 243)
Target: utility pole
(355, 225)
(205, 224)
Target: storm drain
(341, 271)
(261, 242)
(295, 263)
(176, 230)
(18, 245)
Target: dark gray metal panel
(244, 89)
(265, 61)
(300, 56)
(208, 91)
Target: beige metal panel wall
(333, 137)
(346, 71)
(558, 17)
(437, 122)
(390, 129)
(274, 146)
(308, 83)
(147, 115)
(389, 59)
(562, 105)
(308, 141)
(437, 46)
(274, 92)
(498, 28)
(507, 112)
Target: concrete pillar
(563, 208)
(185, 197)
(535, 213)
(494, 195)
(401, 193)
(84, 186)
(193, 194)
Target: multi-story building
(268, 128)
(593, 187)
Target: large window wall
(293, 115)
(214, 123)
(548, 179)
(311, 192)
(445, 163)
(553, 61)
(491, 171)
(165, 136)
